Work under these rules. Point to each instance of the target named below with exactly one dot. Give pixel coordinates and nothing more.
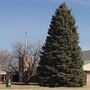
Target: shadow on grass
(21, 83)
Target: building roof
(2, 73)
(86, 67)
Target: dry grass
(36, 87)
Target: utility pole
(22, 60)
(26, 43)
(25, 63)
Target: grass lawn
(35, 87)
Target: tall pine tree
(61, 63)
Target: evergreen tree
(61, 63)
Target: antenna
(26, 43)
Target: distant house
(2, 75)
(86, 67)
(14, 76)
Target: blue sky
(34, 16)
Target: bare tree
(27, 60)
(4, 57)
(35, 52)
(7, 62)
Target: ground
(35, 87)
